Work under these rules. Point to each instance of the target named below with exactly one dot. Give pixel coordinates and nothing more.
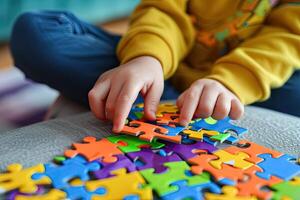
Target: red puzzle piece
(253, 185)
(201, 163)
(149, 132)
(253, 150)
(93, 149)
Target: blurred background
(22, 101)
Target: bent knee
(30, 45)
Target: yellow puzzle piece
(166, 108)
(198, 135)
(229, 193)
(121, 185)
(236, 160)
(18, 178)
(53, 194)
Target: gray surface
(40, 142)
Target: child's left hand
(205, 98)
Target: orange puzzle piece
(201, 163)
(168, 119)
(253, 150)
(149, 132)
(253, 184)
(93, 150)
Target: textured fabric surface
(41, 142)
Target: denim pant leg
(57, 49)
(285, 99)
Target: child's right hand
(116, 90)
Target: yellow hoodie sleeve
(161, 29)
(265, 61)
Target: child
(221, 55)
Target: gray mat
(39, 143)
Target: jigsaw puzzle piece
(13, 194)
(199, 135)
(153, 160)
(229, 193)
(107, 168)
(173, 131)
(121, 185)
(221, 126)
(127, 143)
(53, 194)
(166, 108)
(77, 190)
(18, 178)
(161, 182)
(237, 160)
(253, 150)
(281, 167)
(136, 113)
(60, 175)
(253, 185)
(221, 137)
(168, 119)
(187, 151)
(93, 150)
(287, 189)
(149, 132)
(190, 192)
(227, 174)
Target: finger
(111, 100)
(179, 101)
(207, 102)
(126, 98)
(97, 98)
(152, 99)
(189, 106)
(222, 107)
(237, 109)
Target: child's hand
(205, 98)
(116, 90)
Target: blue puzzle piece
(76, 167)
(231, 140)
(280, 167)
(131, 197)
(80, 192)
(132, 114)
(173, 131)
(209, 141)
(217, 125)
(191, 192)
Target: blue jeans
(58, 49)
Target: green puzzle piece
(139, 115)
(161, 183)
(133, 144)
(287, 189)
(220, 137)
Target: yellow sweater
(250, 46)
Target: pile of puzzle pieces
(160, 160)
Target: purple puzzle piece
(106, 168)
(13, 194)
(185, 150)
(153, 160)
